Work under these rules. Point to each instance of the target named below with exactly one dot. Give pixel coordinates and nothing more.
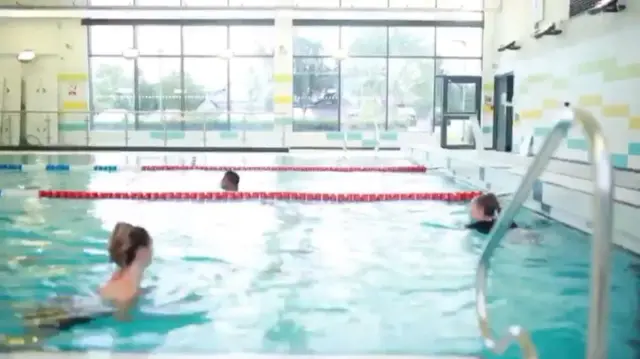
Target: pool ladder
(602, 174)
(376, 132)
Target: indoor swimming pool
(298, 278)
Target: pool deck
(100, 355)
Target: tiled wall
(599, 71)
(563, 198)
(281, 137)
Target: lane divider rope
(157, 168)
(238, 196)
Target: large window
(463, 5)
(360, 77)
(315, 88)
(158, 40)
(102, 40)
(251, 40)
(112, 88)
(200, 77)
(459, 42)
(364, 41)
(251, 93)
(411, 83)
(219, 77)
(363, 93)
(159, 93)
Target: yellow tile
(72, 76)
(74, 105)
(537, 78)
(282, 78)
(625, 72)
(522, 89)
(634, 123)
(282, 99)
(590, 100)
(615, 111)
(550, 103)
(560, 84)
(530, 114)
(487, 86)
(592, 67)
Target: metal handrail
(123, 117)
(602, 173)
(376, 131)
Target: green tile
(354, 136)
(334, 136)
(541, 131)
(577, 144)
(72, 126)
(389, 136)
(369, 143)
(619, 160)
(283, 121)
(171, 135)
(228, 135)
(634, 148)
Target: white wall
(61, 46)
(594, 63)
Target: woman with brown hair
(130, 248)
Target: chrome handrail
(602, 173)
(376, 132)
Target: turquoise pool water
(370, 278)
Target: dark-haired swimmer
(484, 211)
(230, 181)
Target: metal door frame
(446, 116)
(509, 113)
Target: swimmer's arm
(134, 276)
(123, 308)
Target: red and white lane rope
(239, 196)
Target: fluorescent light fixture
(26, 56)
(130, 54)
(226, 54)
(341, 54)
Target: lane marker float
(158, 168)
(239, 196)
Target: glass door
(458, 102)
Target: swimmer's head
(485, 207)
(230, 181)
(125, 241)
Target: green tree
(113, 88)
(410, 81)
(312, 75)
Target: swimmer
(484, 211)
(130, 248)
(230, 181)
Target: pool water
(302, 278)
